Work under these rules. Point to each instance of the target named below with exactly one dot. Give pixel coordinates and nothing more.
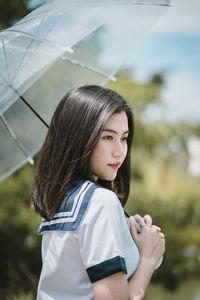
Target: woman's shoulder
(104, 210)
(105, 197)
(88, 189)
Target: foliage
(20, 249)
(11, 11)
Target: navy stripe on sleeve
(106, 268)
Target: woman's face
(111, 149)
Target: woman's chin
(108, 178)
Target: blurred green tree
(20, 249)
(12, 11)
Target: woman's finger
(162, 235)
(140, 220)
(158, 229)
(148, 220)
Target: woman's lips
(114, 166)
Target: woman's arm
(151, 244)
(116, 286)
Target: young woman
(89, 249)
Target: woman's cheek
(101, 148)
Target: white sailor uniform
(87, 240)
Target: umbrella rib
(167, 3)
(68, 49)
(30, 17)
(14, 137)
(153, 4)
(113, 78)
(31, 42)
(4, 53)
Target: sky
(172, 46)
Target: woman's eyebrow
(113, 131)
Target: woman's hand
(150, 241)
(145, 221)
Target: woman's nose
(117, 150)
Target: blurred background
(160, 79)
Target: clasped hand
(150, 241)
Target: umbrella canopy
(60, 45)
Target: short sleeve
(101, 236)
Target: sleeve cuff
(106, 268)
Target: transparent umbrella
(60, 45)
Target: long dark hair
(73, 134)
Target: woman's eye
(125, 138)
(108, 138)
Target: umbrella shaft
(33, 110)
